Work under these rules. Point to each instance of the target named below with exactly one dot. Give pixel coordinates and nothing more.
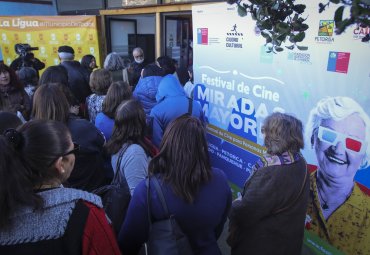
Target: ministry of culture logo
(326, 29)
(202, 36)
(234, 39)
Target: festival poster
(238, 84)
(48, 33)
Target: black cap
(66, 49)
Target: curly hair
(283, 132)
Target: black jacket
(77, 79)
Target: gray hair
(114, 62)
(337, 108)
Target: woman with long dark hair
(128, 140)
(38, 215)
(118, 92)
(50, 103)
(197, 196)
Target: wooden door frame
(157, 10)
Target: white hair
(337, 108)
(66, 56)
(114, 62)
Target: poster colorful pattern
(48, 33)
(238, 84)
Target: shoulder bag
(165, 236)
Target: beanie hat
(66, 49)
(66, 52)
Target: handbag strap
(299, 194)
(158, 189)
(118, 164)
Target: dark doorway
(178, 38)
(144, 41)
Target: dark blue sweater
(202, 221)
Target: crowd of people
(65, 134)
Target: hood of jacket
(169, 87)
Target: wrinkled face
(138, 56)
(340, 147)
(4, 78)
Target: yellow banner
(48, 33)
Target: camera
(23, 48)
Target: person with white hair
(338, 212)
(116, 66)
(77, 77)
(138, 64)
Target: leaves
(338, 15)
(302, 47)
(242, 11)
(277, 20)
(299, 8)
(299, 37)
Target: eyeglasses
(139, 56)
(76, 148)
(332, 137)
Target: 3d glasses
(332, 137)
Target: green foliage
(278, 21)
(281, 21)
(359, 14)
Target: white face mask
(139, 61)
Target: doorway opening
(177, 40)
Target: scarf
(286, 158)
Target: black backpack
(116, 196)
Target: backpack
(165, 236)
(116, 196)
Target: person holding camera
(26, 58)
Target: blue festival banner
(327, 87)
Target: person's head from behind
(114, 62)
(8, 77)
(88, 62)
(8, 120)
(35, 154)
(54, 74)
(282, 133)
(118, 92)
(50, 103)
(152, 70)
(183, 160)
(339, 131)
(66, 53)
(166, 63)
(28, 76)
(129, 125)
(100, 81)
(138, 55)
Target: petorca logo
(202, 36)
(326, 29)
